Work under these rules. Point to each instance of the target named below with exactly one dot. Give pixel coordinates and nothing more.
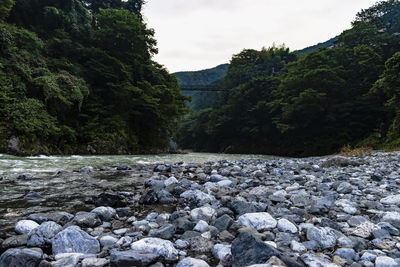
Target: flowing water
(54, 183)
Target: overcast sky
(199, 34)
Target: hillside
(202, 77)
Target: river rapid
(50, 183)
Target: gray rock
(192, 262)
(94, 262)
(13, 146)
(347, 254)
(182, 225)
(201, 226)
(223, 223)
(198, 196)
(160, 247)
(259, 221)
(15, 257)
(220, 251)
(73, 239)
(286, 226)
(87, 219)
(43, 234)
(108, 241)
(165, 232)
(59, 217)
(200, 244)
(393, 218)
(315, 261)
(384, 261)
(165, 197)
(67, 260)
(105, 213)
(391, 200)
(325, 237)
(357, 220)
(15, 241)
(344, 188)
(297, 247)
(247, 250)
(25, 226)
(132, 258)
(203, 213)
(388, 227)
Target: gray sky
(199, 34)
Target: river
(54, 182)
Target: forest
(280, 102)
(78, 77)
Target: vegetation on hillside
(278, 102)
(78, 77)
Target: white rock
(73, 239)
(297, 247)
(94, 262)
(203, 213)
(384, 261)
(170, 180)
(271, 243)
(259, 221)
(156, 246)
(181, 244)
(201, 226)
(285, 225)
(199, 196)
(220, 251)
(226, 183)
(108, 241)
(314, 261)
(105, 213)
(25, 226)
(43, 234)
(365, 229)
(67, 260)
(192, 262)
(325, 236)
(391, 200)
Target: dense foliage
(78, 77)
(281, 103)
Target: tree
(5, 8)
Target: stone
(325, 237)
(286, 226)
(344, 188)
(160, 247)
(200, 244)
(25, 226)
(384, 261)
(43, 234)
(170, 181)
(364, 230)
(259, 221)
(198, 196)
(132, 258)
(25, 257)
(393, 218)
(223, 223)
(203, 213)
(182, 225)
(181, 244)
(87, 219)
(219, 251)
(297, 247)
(67, 259)
(391, 200)
(247, 250)
(165, 232)
(15, 241)
(105, 213)
(59, 217)
(347, 254)
(192, 262)
(315, 261)
(109, 199)
(108, 241)
(94, 262)
(73, 239)
(357, 220)
(201, 226)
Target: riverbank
(321, 211)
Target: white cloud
(197, 34)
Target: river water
(55, 183)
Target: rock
(170, 181)
(393, 218)
(43, 234)
(59, 217)
(364, 230)
(391, 200)
(203, 213)
(108, 241)
(105, 213)
(357, 220)
(94, 262)
(123, 167)
(87, 219)
(67, 260)
(165, 197)
(160, 247)
(286, 226)
(315, 261)
(200, 244)
(192, 262)
(325, 237)
(15, 241)
(297, 247)
(247, 250)
(344, 188)
(109, 199)
(13, 146)
(132, 258)
(347, 254)
(25, 226)
(201, 226)
(223, 223)
(198, 196)
(220, 251)
(182, 225)
(165, 232)
(340, 162)
(73, 239)
(383, 261)
(259, 221)
(26, 257)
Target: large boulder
(160, 247)
(43, 234)
(248, 249)
(73, 239)
(25, 257)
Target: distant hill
(202, 77)
(309, 49)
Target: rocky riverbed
(326, 211)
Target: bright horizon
(201, 34)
